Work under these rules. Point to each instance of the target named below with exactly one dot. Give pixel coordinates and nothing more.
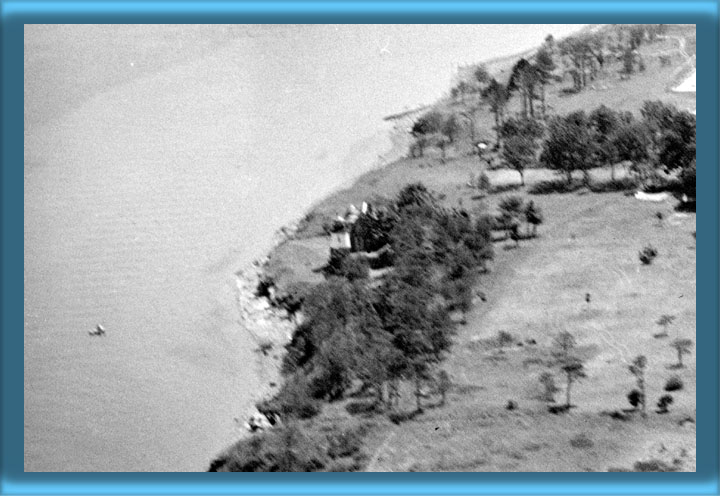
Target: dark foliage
(570, 145)
(647, 255)
(674, 383)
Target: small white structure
(340, 239)
(257, 422)
(651, 197)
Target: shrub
(663, 403)
(634, 398)
(558, 409)
(284, 449)
(674, 384)
(647, 255)
(653, 466)
(505, 188)
(483, 182)
(344, 466)
(581, 441)
(336, 261)
(610, 186)
(554, 186)
(549, 388)
(400, 417)
(344, 443)
(361, 407)
(293, 400)
(443, 384)
(355, 268)
(504, 339)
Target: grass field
(588, 244)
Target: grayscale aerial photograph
(359, 248)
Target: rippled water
(159, 160)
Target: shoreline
(269, 327)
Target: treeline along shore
(516, 294)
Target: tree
(672, 134)
(687, 182)
(682, 346)
(570, 145)
(414, 195)
(677, 145)
(426, 126)
(482, 75)
(563, 344)
(574, 370)
(571, 365)
(549, 388)
(544, 66)
(605, 123)
(533, 216)
(584, 51)
(444, 384)
(630, 141)
(525, 78)
(523, 127)
(421, 330)
(635, 398)
(520, 145)
(628, 59)
(636, 35)
(451, 127)
(511, 209)
(637, 368)
(663, 403)
(664, 321)
(496, 95)
(519, 153)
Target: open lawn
(588, 244)
(581, 275)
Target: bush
(663, 403)
(344, 466)
(674, 384)
(634, 398)
(337, 259)
(292, 401)
(558, 409)
(504, 339)
(353, 269)
(610, 186)
(581, 441)
(653, 466)
(400, 417)
(647, 255)
(361, 407)
(344, 443)
(483, 182)
(554, 186)
(549, 388)
(284, 449)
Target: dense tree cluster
(374, 333)
(663, 139)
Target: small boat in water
(98, 331)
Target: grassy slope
(589, 244)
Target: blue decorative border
(16, 13)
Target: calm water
(159, 160)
